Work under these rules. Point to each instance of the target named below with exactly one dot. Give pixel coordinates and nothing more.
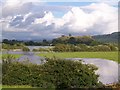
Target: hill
(108, 38)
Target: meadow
(12, 55)
(103, 55)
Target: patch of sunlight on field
(103, 55)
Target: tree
(26, 49)
(70, 35)
(72, 40)
(45, 42)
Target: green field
(104, 55)
(14, 55)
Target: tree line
(88, 40)
(78, 48)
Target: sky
(38, 19)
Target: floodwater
(31, 57)
(107, 69)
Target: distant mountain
(108, 38)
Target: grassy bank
(14, 55)
(104, 55)
(16, 86)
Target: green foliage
(15, 46)
(70, 74)
(74, 40)
(108, 38)
(83, 47)
(26, 49)
(101, 48)
(43, 50)
(55, 73)
(62, 48)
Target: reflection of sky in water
(108, 70)
(37, 47)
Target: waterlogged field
(103, 55)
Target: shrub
(102, 48)
(70, 74)
(55, 73)
(26, 49)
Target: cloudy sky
(37, 19)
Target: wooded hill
(88, 40)
(108, 38)
(69, 39)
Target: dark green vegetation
(55, 73)
(75, 40)
(25, 49)
(78, 48)
(19, 46)
(68, 43)
(27, 43)
(83, 47)
(109, 38)
(43, 50)
(15, 46)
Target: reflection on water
(12, 52)
(107, 69)
(31, 58)
(37, 47)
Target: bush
(26, 49)
(70, 74)
(55, 73)
(102, 48)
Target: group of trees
(44, 42)
(43, 50)
(88, 40)
(109, 38)
(15, 46)
(78, 48)
(11, 42)
(83, 47)
(62, 44)
(54, 73)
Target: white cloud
(97, 18)
(48, 19)
(18, 2)
(78, 21)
